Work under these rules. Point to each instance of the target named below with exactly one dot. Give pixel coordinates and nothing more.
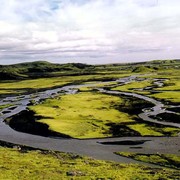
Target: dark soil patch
(174, 109)
(132, 105)
(161, 158)
(136, 147)
(26, 121)
(12, 108)
(5, 112)
(20, 148)
(128, 142)
(120, 130)
(168, 117)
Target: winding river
(96, 148)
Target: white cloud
(87, 29)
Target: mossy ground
(131, 87)
(32, 85)
(37, 164)
(91, 114)
(170, 92)
(166, 160)
(5, 106)
(83, 115)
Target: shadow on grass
(128, 142)
(27, 122)
(120, 130)
(133, 105)
(168, 117)
(166, 160)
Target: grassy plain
(133, 86)
(171, 89)
(98, 115)
(170, 92)
(5, 106)
(83, 115)
(92, 114)
(26, 86)
(36, 164)
(166, 160)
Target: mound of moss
(19, 163)
(167, 160)
(143, 69)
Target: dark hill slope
(40, 69)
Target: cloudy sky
(89, 31)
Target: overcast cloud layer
(89, 31)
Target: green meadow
(83, 115)
(5, 106)
(170, 92)
(50, 165)
(90, 114)
(166, 160)
(133, 86)
(19, 87)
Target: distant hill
(46, 69)
(40, 69)
(151, 66)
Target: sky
(89, 31)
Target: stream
(96, 148)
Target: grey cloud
(88, 29)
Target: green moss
(36, 164)
(143, 69)
(97, 85)
(172, 96)
(33, 85)
(5, 106)
(170, 92)
(167, 160)
(83, 115)
(134, 85)
(145, 130)
(94, 113)
(91, 114)
(173, 84)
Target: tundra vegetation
(166, 160)
(5, 106)
(22, 162)
(92, 114)
(89, 114)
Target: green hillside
(41, 69)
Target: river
(95, 148)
